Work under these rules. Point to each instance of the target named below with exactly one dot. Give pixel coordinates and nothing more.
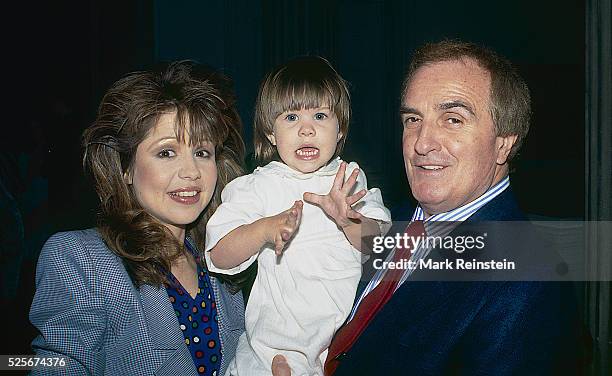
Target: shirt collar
(462, 213)
(279, 168)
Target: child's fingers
(288, 229)
(353, 214)
(313, 198)
(298, 218)
(290, 220)
(339, 179)
(351, 200)
(286, 233)
(297, 207)
(280, 367)
(294, 211)
(279, 244)
(350, 182)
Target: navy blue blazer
(87, 309)
(470, 328)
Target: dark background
(63, 56)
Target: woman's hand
(280, 228)
(337, 204)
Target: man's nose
(307, 129)
(428, 139)
(189, 169)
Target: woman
(133, 296)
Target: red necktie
(370, 305)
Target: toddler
(302, 216)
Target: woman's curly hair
(205, 110)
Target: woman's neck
(178, 232)
(185, 270)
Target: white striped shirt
(451, 220)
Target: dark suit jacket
(470, 328)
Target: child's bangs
(302, 95)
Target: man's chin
(431, 204)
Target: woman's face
(173, 181)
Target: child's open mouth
(307, 153)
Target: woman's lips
(187, 197)
(307, 153)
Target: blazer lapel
(167, 340)
(429, 292)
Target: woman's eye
(166, 153)
(291, 117)
(320, 116)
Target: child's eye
(320, 116)
(166, 153)
(291, 117)
(203, 153)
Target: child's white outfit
(300, 299)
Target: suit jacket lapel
(421, 288)
(502, 208)
(167, 340)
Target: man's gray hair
(510, 101)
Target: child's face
(306, 139)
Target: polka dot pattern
(198, 322)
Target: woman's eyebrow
(160, 140)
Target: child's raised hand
(282, 227)
(337, 204)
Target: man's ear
(503, 146)
(271, 138)
(127, 178)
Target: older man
(465, 112)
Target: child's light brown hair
(303, 83)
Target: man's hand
(280, 228)
(280, 367)
(337, 204)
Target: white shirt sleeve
(240, 205)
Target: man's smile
(432, 167)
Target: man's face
(451, 152)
